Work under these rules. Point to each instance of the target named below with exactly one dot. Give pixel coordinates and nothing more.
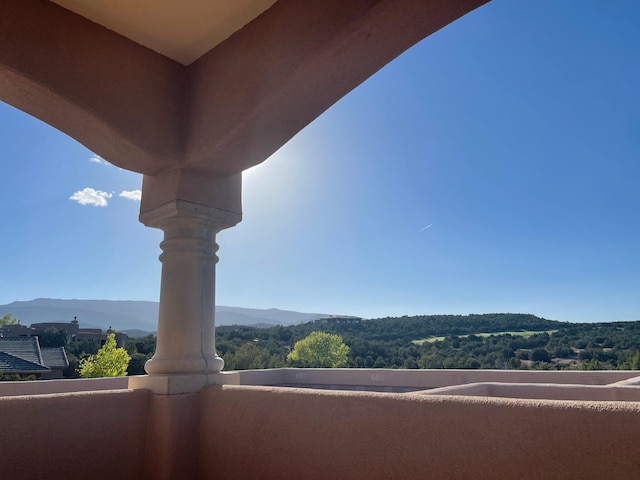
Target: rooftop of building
(24, 355)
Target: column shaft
(186, 323)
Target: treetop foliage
(110, 361)
(9, 319)
(319, 350)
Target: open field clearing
(521, 333)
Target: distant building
(236, 328)
(71, 328)
(99, 335)
(12, 331)
(74, 332)
(338, 320)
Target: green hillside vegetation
(492, 341)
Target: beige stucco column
(190, 208)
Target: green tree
(540, 355)
(631, 363)
(110, 361)
(52, 337)
(14, 377)
(136, 365)
(9, 319)
(251, 356)
(319, 350)
(145, 345)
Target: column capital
(190, 186)
(163, 215)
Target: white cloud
(134, 195)
(90, 196)
(98, 159)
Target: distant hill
(136, 333)
(495, 340)
(137, 315)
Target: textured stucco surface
(160, 25)
(262, 432)
(242, 432)
(44, 387)
(119, 99)
(622, 392)
(173, 437)
(420, 379)
(225, 112)
(98, 435)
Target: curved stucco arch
(227, 111)
(91, 84)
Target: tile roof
(54, 357)
(21, 354)
(27, 348)
(12, 364)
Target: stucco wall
(628, 393)
(267, 432)
(43, 387)
(82, 436)
(407, 380)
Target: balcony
(192, 111)
(305, 423)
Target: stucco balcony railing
(271, 424)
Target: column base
(192, 365)
(180, 384)
(169, 384)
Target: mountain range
(140, 316)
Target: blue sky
(494, 167)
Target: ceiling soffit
(229, 110)
(182, 31)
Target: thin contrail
(424, 228)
